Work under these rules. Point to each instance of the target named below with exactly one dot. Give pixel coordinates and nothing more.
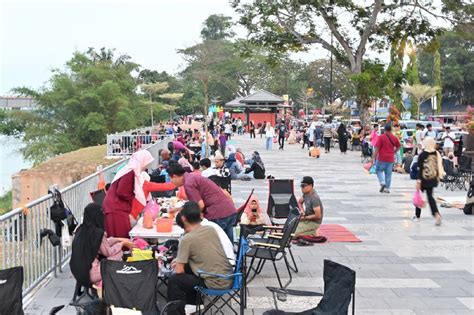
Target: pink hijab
(137, 163)
(248, 210)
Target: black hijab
(341, 131)
(86, 244)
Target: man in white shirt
(448, 137)
(207, 170)
(429, 132)
(419, 138)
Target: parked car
(199, 117)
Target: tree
(289, 25)
(395, 74)
(152, 89)
(420, 93)
(217, 27)
(456, 52)
(93, 95)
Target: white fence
(124, 144)
(20, 243)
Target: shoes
(386, 190)
(415, 219)
(438, 219)
(382, 187)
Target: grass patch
(6, 202)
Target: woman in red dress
(128, 194)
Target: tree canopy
(93, 95)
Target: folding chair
(98, 196)
(130, 285)
(452, 176)
(273, 233)
(465, 170)
(241, 209)
(281, 196)
(274, 252)
(11, 282)
(339, 289)
(222, 182)
(236, 293)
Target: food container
(164, 225)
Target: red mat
(337, 233)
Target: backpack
(414, 170)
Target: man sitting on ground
(311, 207)
(192, 256)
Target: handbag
(57, 211)
(153, 208)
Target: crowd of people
(191, 163)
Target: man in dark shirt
(193, 256)
(215, 204)
(281, 134)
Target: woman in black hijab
(342, 137)
(89, 242)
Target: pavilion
(259, 107)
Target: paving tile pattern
(403, 267)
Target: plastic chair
(339, 289)
(236, 293)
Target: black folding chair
(465, 170)
(272, 234)
(11, 282)
(130, 285)
(263, 251)
(241, 209)
(452, 177)
(280, 198)
(339, 289)
(222, 182)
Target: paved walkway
(403, 267)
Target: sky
(40, 35)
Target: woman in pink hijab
(127, 191)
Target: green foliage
(6, 202)
(420, 93)
(217, 27)
(94, 95)
(457, 66)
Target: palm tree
(420, 93)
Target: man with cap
(219, 166)
(311, 208)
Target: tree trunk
(206, 115)
(363, 101)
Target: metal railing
(126, 144)
(20, 243)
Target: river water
(11, 161)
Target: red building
(259, 107)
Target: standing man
(327, 134)
(429, 132)
(311, 207)
(193, 256)
(419, 138)
(448, 137)
(281, 134)
(216, 206)
(386, 147)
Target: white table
(140, 231)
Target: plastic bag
(372, 169)
(367, 166)
(418, 199)
(153, 208)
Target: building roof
(262, 97)
(258, 99)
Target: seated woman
(235, 168)
(257, 168)
(91, 244)
(253, 218)
(292, 137)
